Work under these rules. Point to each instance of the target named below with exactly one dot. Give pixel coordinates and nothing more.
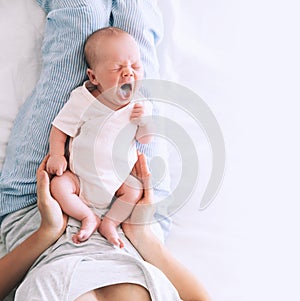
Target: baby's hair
(90, 51)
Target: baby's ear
(92, 77)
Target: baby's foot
(108, 229)
(88, 226)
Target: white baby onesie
(102, 147)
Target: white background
(242, 58)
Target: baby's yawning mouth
(125, 90)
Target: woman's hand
(137, 229)
(15, 264)
(137, 226)
(53, 221)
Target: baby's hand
(137, 114)
(56, 165)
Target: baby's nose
(127, 71)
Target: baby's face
(117, 70)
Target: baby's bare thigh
(130, 186)
(68, 182)
(131, 183)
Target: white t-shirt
(102, 148)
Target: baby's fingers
(138, 108)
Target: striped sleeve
(68, 24)
(143, 20)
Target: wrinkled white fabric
(66, 270)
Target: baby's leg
(65, 189)
(127, 195)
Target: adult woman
(15, 264)
(63, 69)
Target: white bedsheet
(243, 60)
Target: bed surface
(242, 60)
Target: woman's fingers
(52, 217)
(143, 166)
(43, 182)
(141, 169)
(43, 164)
(145, 177)
(144, 210)
(136, 171)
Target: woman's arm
(15, 264)
(138, 231)
(154, 252)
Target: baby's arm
(57, 162)
(143, 134)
